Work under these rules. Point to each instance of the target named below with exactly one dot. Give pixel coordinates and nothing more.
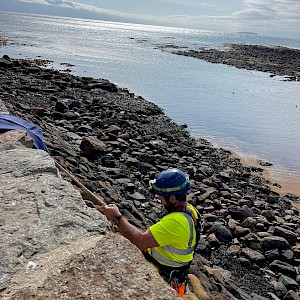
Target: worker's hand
(111, 211)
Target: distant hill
(65, 9)
(247, 32)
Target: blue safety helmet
(170, 182)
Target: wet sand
(280, 182)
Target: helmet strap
(170, 204)
(174, 204)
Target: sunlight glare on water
(247, 111)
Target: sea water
(247, 111)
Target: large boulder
(55, 247)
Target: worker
(169, 244)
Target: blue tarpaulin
(10, 122)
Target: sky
(266, 17)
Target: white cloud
(254, 14)
(263, 16)
(80, 6)
(275, 17)
(276, 8)
(186, 3)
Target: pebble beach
(115, 141)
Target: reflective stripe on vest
(163, 259)
(174, 250)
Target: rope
(99, 202)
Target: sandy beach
(280, 181)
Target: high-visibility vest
(169, 254)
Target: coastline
(288, 182)
(115, 141)
(276, 60)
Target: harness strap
(168, 272)
(163, 259)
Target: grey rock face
(53, 246)
(38, 210)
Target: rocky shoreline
(277, 60)
(115, 141)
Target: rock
(222, 233)
(244, 262)
(273, 296)
(130, 187)
(154, 144)
(288, 254)
(269, 214)
(249, 222)
(241, 231)
(3, 109)
(258, 297)
(210, 218)
(12, 165)
(289, 235)
(69, 272)
(240, 213)
(37, 111)
(291, 295)
(280, 289)
(108, 161)
(130, 161)
(234, 249)
(84, 129)
(272, 254)
(254, 256)
(38, 209)
(260, 58)
(197, 288)
(137, 196)
(61, 107)
(53, 246)
(226, 194)
(284, 268)
(213, 240)
(274, 242)
(289, 283)
(236, 291)
(91, 146)
(108, 86)
(5, 63)
(15, 139)
(272, 199)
